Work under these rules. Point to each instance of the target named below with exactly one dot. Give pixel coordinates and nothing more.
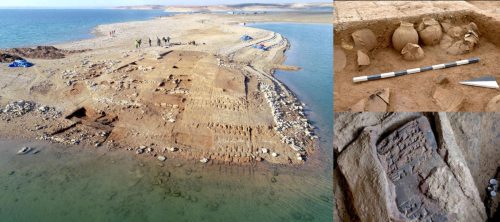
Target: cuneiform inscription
(408, 155)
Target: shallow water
(312, 50)
(29, 27)
(77, 184)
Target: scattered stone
(24, 150)
(274, 154)
(204, 160)
(43, 109)
(12, 173)
(139, 151)
(19, 108)
(274, 180)
(264, 150)
(161, 158)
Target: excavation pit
(420, 91)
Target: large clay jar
(403, 35)
(364, 39)
(430, 31)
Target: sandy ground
(429, 91)
(216, 100)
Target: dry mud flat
(214, 101)
(415, 166)
(364, 45)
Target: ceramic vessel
(364, 39)
(403, 35)
(430, 32)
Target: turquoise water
(64, 183)
(29, 27)
(312, 50)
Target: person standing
(149, 42)
(158, 41)
(165, 40)
(138, 43)
(168, 39)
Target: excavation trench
(437, 90)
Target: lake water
(64, 183)
(30, 27)
(85, 184)
(312, 50)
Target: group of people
(166, 41)
(112, 33)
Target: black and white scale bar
(417, 70)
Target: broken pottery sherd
(363, 59)
(447, 99)
(340, 59)
(376, 102)
(412, 52)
